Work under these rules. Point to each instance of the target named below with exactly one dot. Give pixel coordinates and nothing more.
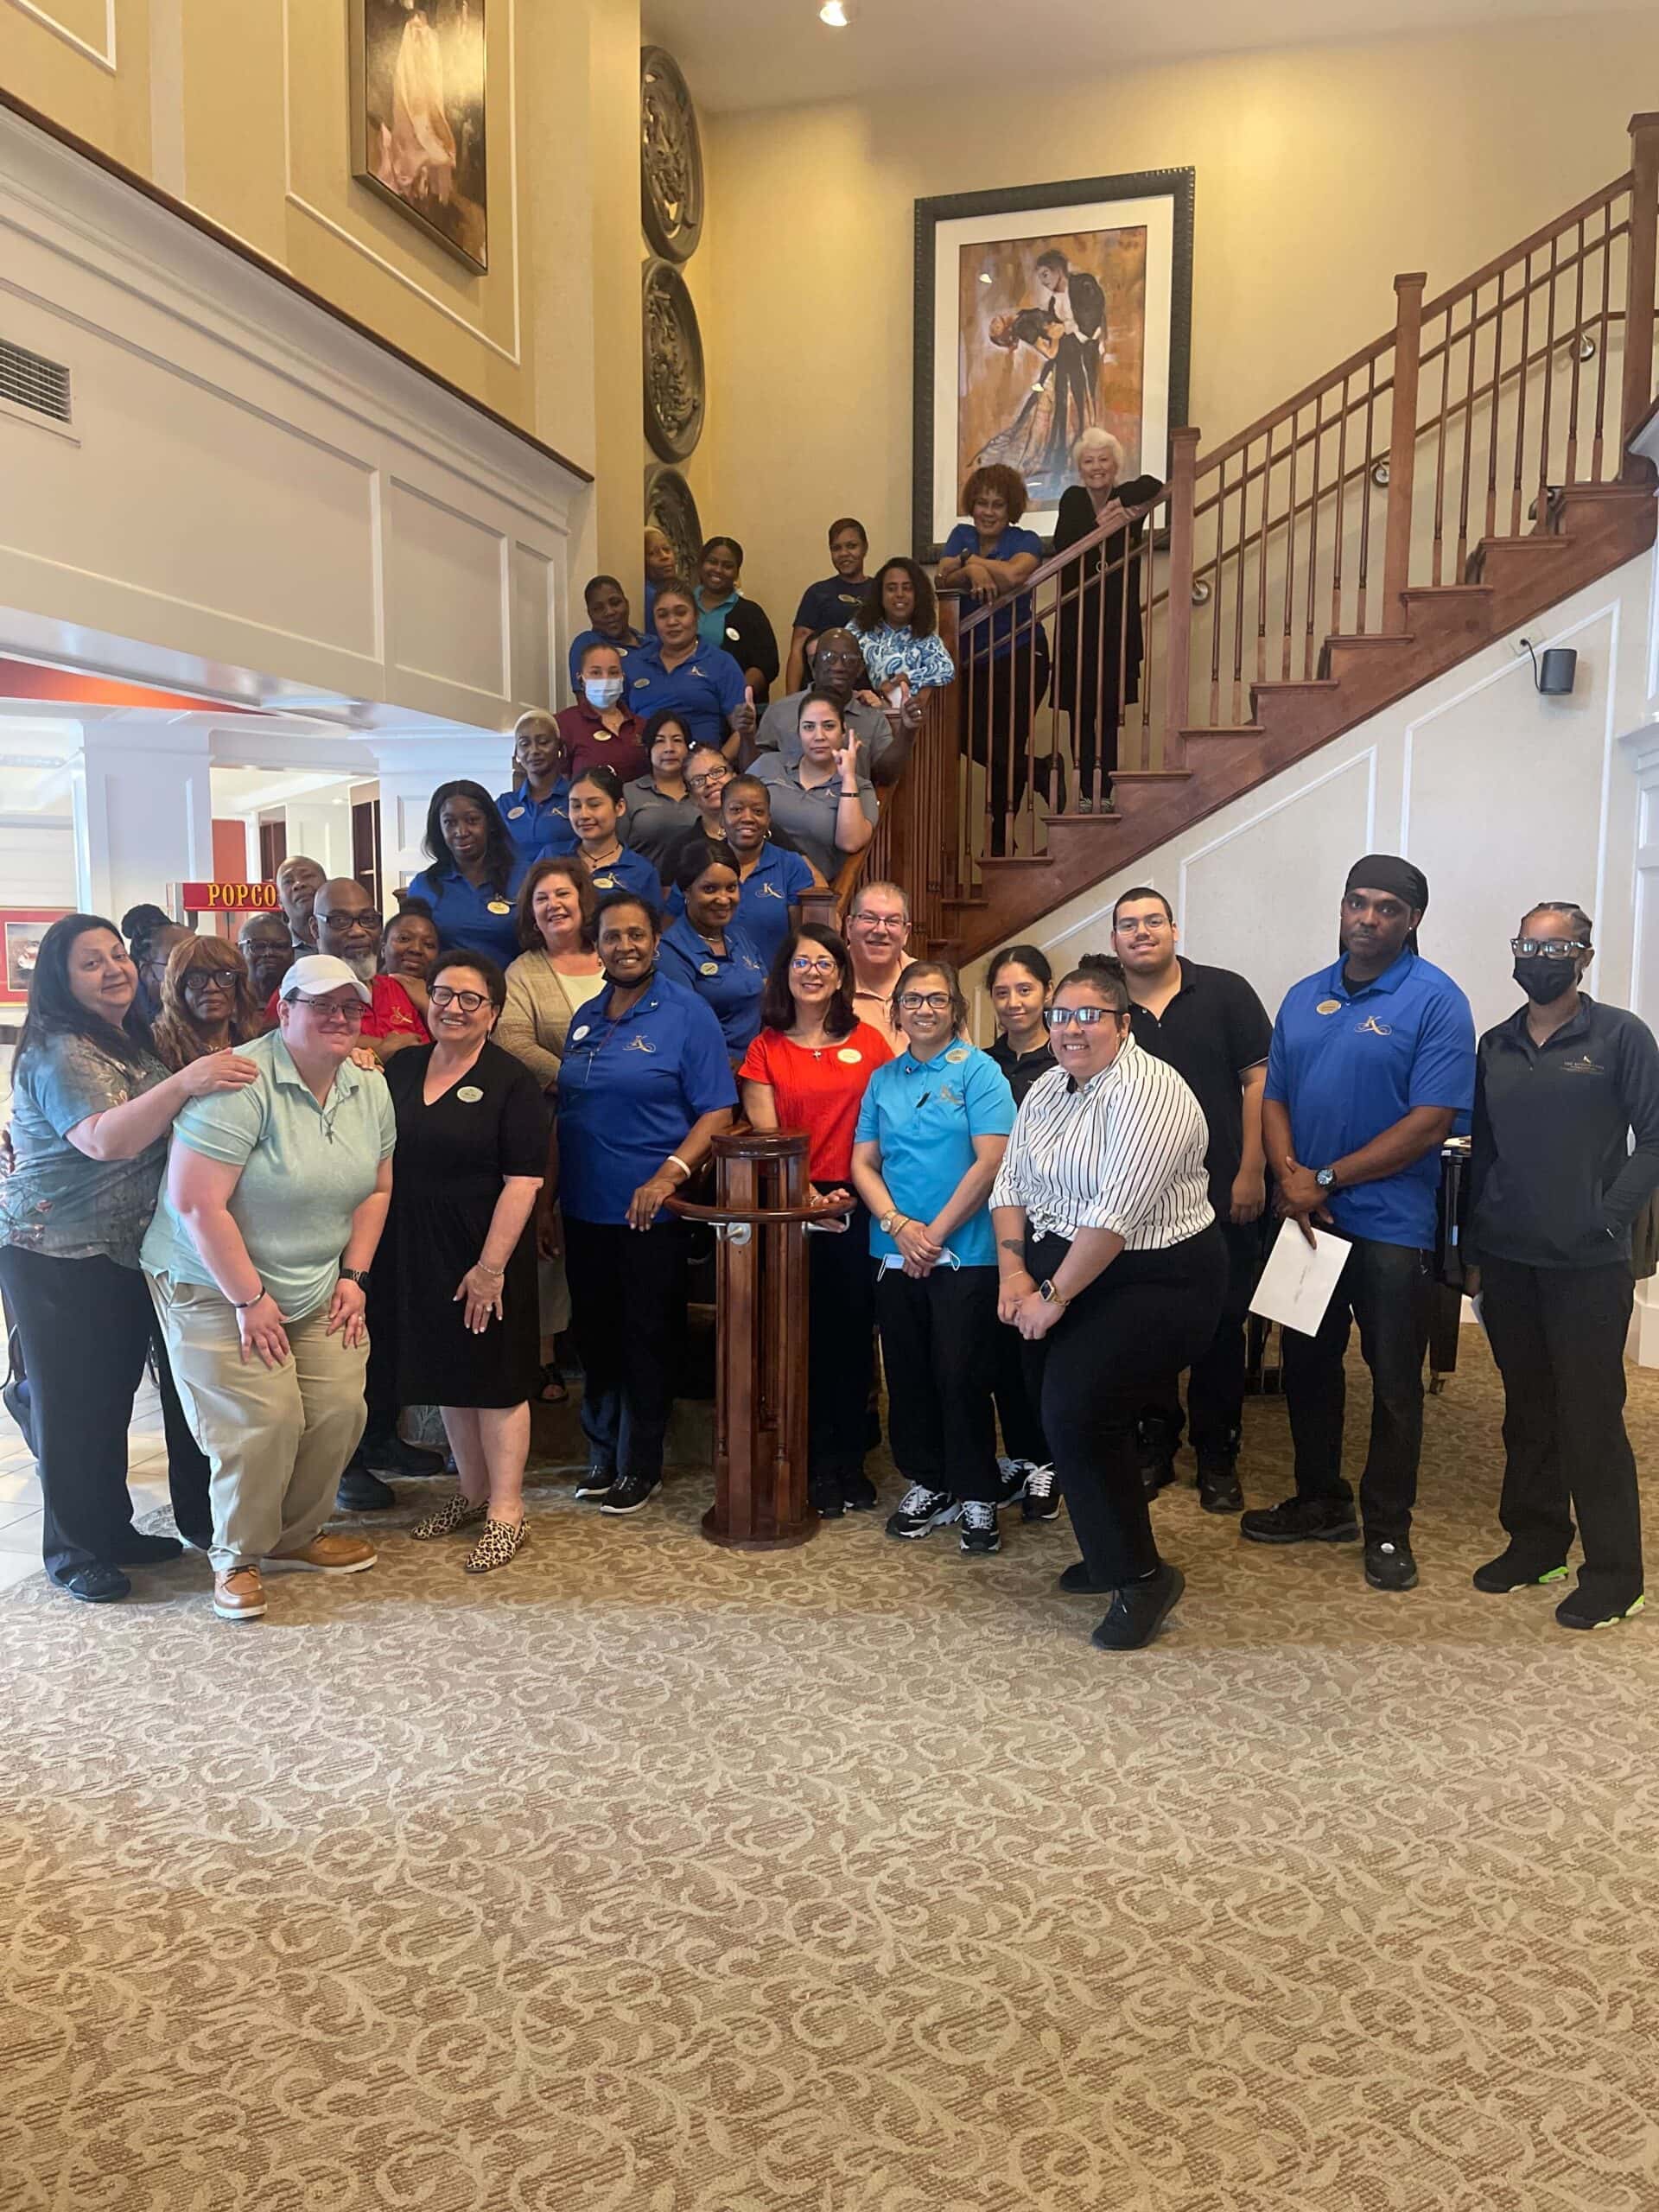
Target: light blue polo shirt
(630, 871)
(1348, 1065)
(706, 690)
(305, 1169)
(630, 1090)
(474, 918)
(730, 982)
(925, 1116)
(768, 891)
(539, 828)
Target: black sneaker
(98, 1585)
(1041, 1501)
(390, 1455)
(825, 1496)
(980, 1533)
(858, 1494)
(1156, 1451)
(1509, 1571)
(921, 1510)
(138, 1550)
(362, 1492)
(15, 1397)
(1076, 1577)
(1136, 1614)
(1302, 1520)
(1219, 1490)
(629, 1492)
(1584, 1610)
(1389, 1564)
(597, 1482)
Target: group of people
(334, 1170)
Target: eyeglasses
(349, 1016)
(934, 1003)
(712, 779)
(1547, 948)
(813, 967)
(1153, 922)
(225, 977)
(469, 1002)
(342, 924)
(883, 922)
(1084, 1016)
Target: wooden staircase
(1477, 455)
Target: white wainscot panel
(533, 682)
(201, 500)
(1240, 891)
(444, 574)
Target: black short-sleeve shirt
(492, 1123)
(830, 604)
(1212, 1031)
(1022, 1069)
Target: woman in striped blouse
(1111, 1267)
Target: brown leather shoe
(328, 1555)
(239, 1595)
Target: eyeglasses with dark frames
(469, 1002)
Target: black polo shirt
(1212, 1031)
(1553, 1181)
(1022, 1069)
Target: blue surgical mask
(603, 691)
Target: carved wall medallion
(674, 379)
(670, 157)
(670, 504)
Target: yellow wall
(1320, 173)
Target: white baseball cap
(317, 972)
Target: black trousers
(1003, 693)
(627, 1310)
(1558, 1336)
(1016, 1409)
(840, 1347)
(1089, 1374)
(87, 1326)
(938, 1334)
(1387, 1289)
(1215, 1382)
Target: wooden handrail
(1539, 238)
(1637, 391)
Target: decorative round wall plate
(670, 157)
(674, 379)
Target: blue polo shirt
(630, 871)
(706, 690)
(925, 1116)
(539, 828)
(474, 917)
(1348, 1065)
(730, 982)
(963, 541)
(583, 638)
(770, 889)
(629, 1090)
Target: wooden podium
(762, 1206)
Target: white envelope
(1298, 1281)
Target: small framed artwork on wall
(419, 128)
(1043, 311)
(21, 929)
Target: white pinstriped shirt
(1124, 1151)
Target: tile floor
(20, 1487)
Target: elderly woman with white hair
(1098, 646)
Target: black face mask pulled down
(1545, 981)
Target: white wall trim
(1242, 828)
(104, 57)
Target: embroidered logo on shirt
(638, 1044)
(1372, 1027)
(1585, 1066)
(769, 891)
(1329, 1006)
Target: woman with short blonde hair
(1098, 644)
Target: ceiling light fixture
(834, 12)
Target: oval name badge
(470, 1094)
(499, 906)
(710, 968)
(576, 1035)
(640, 683)
(1329, 1006)
(851, 1054)
(957, 1057)
(601, 883)
(515, 813)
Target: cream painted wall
(1320, 173)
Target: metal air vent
(30, 380)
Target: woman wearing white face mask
(600, 730)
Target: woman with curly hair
(898, 627)
(207, 1002)
(1005, 661)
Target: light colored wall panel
(534, 683)
(444, 578)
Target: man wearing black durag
(1372, 1062)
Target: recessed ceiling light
(834, 12)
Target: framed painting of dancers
(418, 122)
(1043, 311)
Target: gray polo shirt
(305, 1169)
(809, 815)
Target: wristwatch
(1327, 1178)
(892, 1215)
(358, 1275)
(1050, 1296)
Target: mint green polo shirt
(305, 1169)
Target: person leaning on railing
(1098, 644)
(1005, 660)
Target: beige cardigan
(541, 1005)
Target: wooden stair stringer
(1602, 527)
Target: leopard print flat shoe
(498, 1542)
(457, 1512)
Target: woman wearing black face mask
(1554, 1188)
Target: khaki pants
(278, 1437)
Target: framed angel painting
(1043, 311)
(418, 124)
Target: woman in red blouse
(807, 1070)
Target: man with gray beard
(343, 921)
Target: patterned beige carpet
(646, 1877)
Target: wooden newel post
(1402, 448)
(761, 1500)
(1639, 287)
(1183, 466)
(821, 902)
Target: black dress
(1097, 659)
(446, 1179)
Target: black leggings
(1003, 693)
(87, 1326)
(1089, 1375)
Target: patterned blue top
(890, 652)
(56, 1201)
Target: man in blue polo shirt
(1372, 1062)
